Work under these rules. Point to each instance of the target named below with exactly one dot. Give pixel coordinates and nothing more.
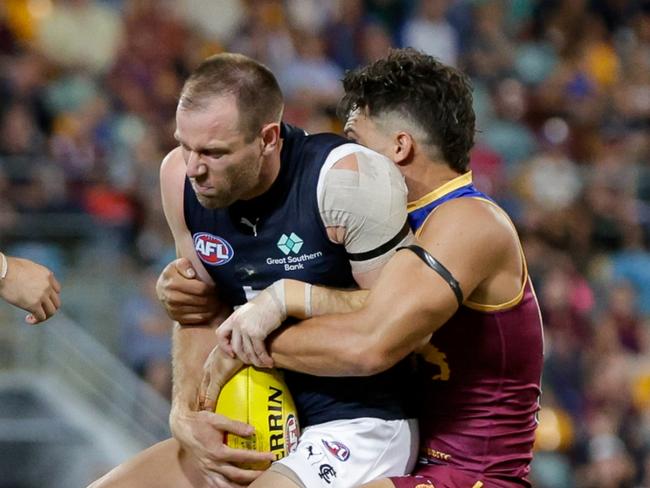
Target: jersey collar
(452, 185)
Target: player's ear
(270, 136)
(403, 148)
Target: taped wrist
(278, 296)
(298, 299)
(308, 290)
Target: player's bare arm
(471, 238)
(198, 431)
(305, 300)
(249, 326)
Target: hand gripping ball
(260, 397)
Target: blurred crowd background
(88, 90)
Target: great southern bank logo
(212, 250)
(291, 243)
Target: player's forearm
(331, 345)
(406, 305)
(191, 347)
(330, 300)
(304, 300)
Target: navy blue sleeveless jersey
(280, 234)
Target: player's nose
(195, 166)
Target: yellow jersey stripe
(455, 184)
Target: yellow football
(260, 397)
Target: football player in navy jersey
(461, 294)
(251, 201)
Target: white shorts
(347, 453)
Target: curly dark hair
(436, 97)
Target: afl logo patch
(212, 250)
(338, 449)
(291, 433)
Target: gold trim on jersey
(480, 307)
(441, 191)
(478, 484)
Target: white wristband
(4, 266)
(308, 288)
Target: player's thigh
(276, 479)
(383, 483)
(160, 466)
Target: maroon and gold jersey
(480, 385)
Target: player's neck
(268, 174)
(423, 177)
